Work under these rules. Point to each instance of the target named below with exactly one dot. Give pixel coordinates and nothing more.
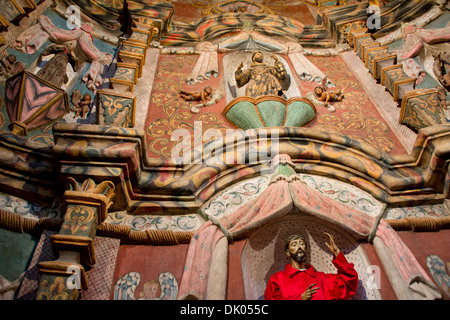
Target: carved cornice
(161, 186)
(391, 16)
(27, 169)
(17, 223)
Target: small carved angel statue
(322, 94)
(80, 103)
(203, 96)
(9, 66)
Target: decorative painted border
(161, 186)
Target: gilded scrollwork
(351, 118)
(55, 290)
(173, 111)
(78, 219)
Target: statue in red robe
(299, 281)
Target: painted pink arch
(283, 194)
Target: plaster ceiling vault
(135, 162)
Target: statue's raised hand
(332, 245)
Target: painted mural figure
(300, 281)
(125, 287)
(260, 78)
(149, 291)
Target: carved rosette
(86, 206)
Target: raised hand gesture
(309, 292)
(332, 245)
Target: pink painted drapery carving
(312, 201)
(280, 197)
(414, 276)
(247, 218)
(33, 38)
(415, 39)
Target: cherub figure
(149, 291)
(215, 98)
(9, 66)
(80, 103)
(203, 96)
(322, 94)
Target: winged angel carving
(85, 50)
(125, 287)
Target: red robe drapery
(290, 283)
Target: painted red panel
(147, 263)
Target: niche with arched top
(263, 254)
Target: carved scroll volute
(91, 194)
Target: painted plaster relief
(264, 255)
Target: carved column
(86, 207)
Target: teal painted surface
(298, 114)
(243, 115)
(396, 45)
(272, 113)
(440, 22)
(16, 251)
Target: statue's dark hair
(293, 237)
(318, 87)
(256, 53)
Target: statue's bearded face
(297, 250)
(258, 57)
